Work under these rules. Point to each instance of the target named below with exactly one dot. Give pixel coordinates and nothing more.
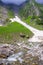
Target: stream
(26, 53)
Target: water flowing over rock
(21, 53)
(6, 50)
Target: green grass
(12, 30)
(33, 23)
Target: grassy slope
(13, 29)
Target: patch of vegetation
(13, 30)
(35, 22)
(10, 13)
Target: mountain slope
(26, 9)
(32, 13)
(30, 8)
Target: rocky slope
(31, 8)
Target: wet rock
(31, 55)
(8, 49)
(8, 63)
(41, 45)
(1, 64)
(5, 51)
(40, 62)
(31, 60)
(27, 56)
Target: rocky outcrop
(13, 54)
(6, 51)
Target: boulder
(22, 35)
(5, 51)
(27, 36)
(1, 64)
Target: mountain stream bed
(21, 53)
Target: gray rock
(27, 36)
(5, 51)
(22, 35)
